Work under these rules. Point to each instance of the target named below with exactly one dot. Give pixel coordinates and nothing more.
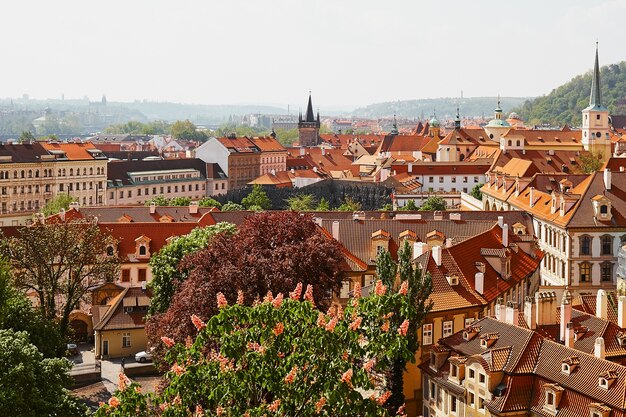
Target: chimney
(448, 242)
(419, 248)
(436, 251)
(569, 335)
(302, 151)
(152, 208)
(546, 308)
(621, 312)
(598, 349)
(75, 205)
(293, 171)
(335, 230)
(62, 214)
(601, 305)
(479, 282)
(566, 314)
(410, 167)
(511, 313)
(323, 151)
(607, 179)
(530, 313)
(193, 207)
(532, 196)
(505, 235)
(500, 221)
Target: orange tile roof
(267, 144)
(73, 151)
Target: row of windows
(168, 177)
(441, 189)
(606, 271)
(447, 329)
(464, 179)
(5, 175)
(24, 189)
(183, 188)
(273, 160)
(606, 244)
(70, 186)
(141, 272)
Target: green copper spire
(595, 98)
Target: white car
(143, 357)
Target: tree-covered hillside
(564, 103)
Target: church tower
(309, 127)
(595, 127)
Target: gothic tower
(309, 127)
(595, 127)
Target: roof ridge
(107, 316)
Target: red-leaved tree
(272, 251)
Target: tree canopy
(61, 201)
(60, 286)
(31, 385)
(257, 199)
(166, 275)
(283, 357)
(272, 251)
(433, 203)
(301, 202)
(186, 130)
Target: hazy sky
(346, 51)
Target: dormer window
(565, 368)
(607, 379)
(552, 398)
(452, 279)
(601, 208)
(380, 243)
(470, 333)
(621, 339)
(599, 410)
(487, 340)
(142, 248)
(110, 250)
(569, 364)
(519, 229)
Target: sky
(347, 52)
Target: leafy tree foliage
(31, 385)
(418, 292)
(59, 262)
(180, 201)
(476, 193)
(209, 202)
(434, 203)
(186, 130)
(157, 127)
(159, 200)
(166, 275)
(17, 313)
(409, 206)
(26, 136)
(590, 163)
(349, 205)
(272, 251)
(301, 202)
(230, 206)
(564, 103)
(257, 199)
(281, 357)
(61, 201)
(323, 205)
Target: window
(469, 321)
(142, 250)
(472, 374)
(125, 340)
(427, 334)
(125, 275)
(585, 272)
(606, 271)
(475, 179)
(454, 371)
(481, 403)
(472, 399)
(440, 179)
(454, 179)
(141, 276)
(464, 179)
(110, 250)
(452, 404)
(607, 245)
(447, 328)
(481, 378)
(585, 245)
(433, 392)
(550, 399)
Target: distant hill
(445, 107)
(564, 103)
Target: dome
(514, 115)
(498, 123)
(434, 122)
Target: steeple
(595, 98)
(394, 128)
(457, 120)
(310, 117)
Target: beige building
(33, 174)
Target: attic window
(565, 368)
(452, 279)
(606, 379)
(142, 250)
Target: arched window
(607, 245)
(91, 171)
(585, 245)
(585, 272)
(71, 172)
(22, 174)
(606, 271)
(518, 142)
(142, 250)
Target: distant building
(309, 127)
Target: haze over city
(273, 52)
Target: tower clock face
(598, 134)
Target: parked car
(72, 349)
(143, 357)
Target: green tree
(433, 203)
(283, 357)
(61, 201)
(35, 254)
(26, 136)
(230, 206)
(301, 202)
(180, 201)
(159, 200)
(409, 206)
(476, 193)
(591, 163)
(186, 130)
(166, 276)
(17, 313)
(258, 198)
(323, 205)
(209, 202)
(349, 205)
(31, 385)
(386, 207)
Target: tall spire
(310, 117)
(394, 128)
(457, 120)
(595, 99)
